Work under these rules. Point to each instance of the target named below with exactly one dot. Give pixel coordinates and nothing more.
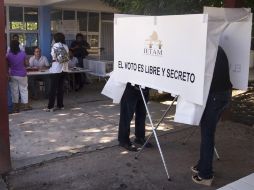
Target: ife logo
(153, 46)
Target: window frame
(24, 31)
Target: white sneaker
(194, 169)
(49, 110)
(199, 180)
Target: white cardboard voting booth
(230, 28)
(177, 54)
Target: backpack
(61, 54)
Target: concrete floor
(76, 148)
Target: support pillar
(45, 31)
(5, 160)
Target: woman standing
(60, 58)
(18, 77)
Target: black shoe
(128, 146)
(141, 141)
(59, 108)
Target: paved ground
(115, 168)
(77, 149)
(243, 106)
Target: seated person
(41, 62)
(38, 60)
(73, 62)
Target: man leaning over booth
(218, 98)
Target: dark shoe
(60, 108)
(194, 169)
(87, 82)
(34, 97)
(128, 146)
(16, 108)
(26, 107)
(78, 89)
(141, 141)
(201, 181)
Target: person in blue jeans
(131, 103)
(218, 99)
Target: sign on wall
(166, 53)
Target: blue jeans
(216, 103)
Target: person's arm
(7, 68)
(26, 63)
(74, 45)
(87, 45)
(53, 53)
(31, 61)
(46, 63)
(76, 62)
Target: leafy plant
(166, 7)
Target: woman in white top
(59, 53)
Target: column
(5, 160)
(45, 31)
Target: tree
(166, 7)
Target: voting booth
(177, 54)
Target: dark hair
(59, 37)
(37, 47)
(15, 35)
(14, 47)
(79, 35)
(71, 50)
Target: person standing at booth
(18, 77)
(218, 98)
(79, 47)
(131, 103)
(16, 37)
(60, 58)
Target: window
(69, 15)
(56, 19)
(72, 22)
(107, 16)
(31, 18)
(23, 21)
(93, 23)
(56, 14)
(82, 21)
(16, 18)
(93, 40)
